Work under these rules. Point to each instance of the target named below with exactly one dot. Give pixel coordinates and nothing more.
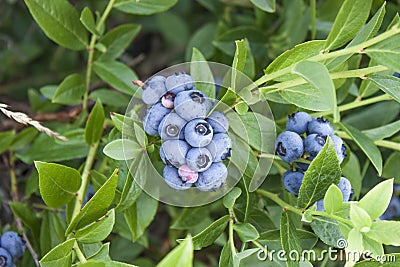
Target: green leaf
(207, 237)
(388, 83)
(98, 230)
(366, 145)
(386, 52)
(246, 232)
(190, 217)
(130, 193)
(350, 19)
(391, 167)
(201, 74)
(289, 239)
(360, 218)
(386, 232)
(23, 138)
(97, 206)
(117, 40)
(94, 125)
(377, 199)
(241, 108)
(88, 21)
(6, 139)
(181, 256)
(272, 238)
(91, 263)
(327, 230)
(201, 40)
(298, 53)
(383, 132)
(122, 149)
(323, 171)
(52, 231)
(144, 7)
(58, 184)
(375, 247)
(60, 22)
(140, 215)
(60, 255)
(230, 198)
(117, 74)
(70, 91)
(226, 258)
(265, 5)
(318, 76)
(111, 98)
(239, 62)
(243, 255)
(366, 33)
(305, 96)
(27, 216)
(333, 199)
(352, 171)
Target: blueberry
(396, 74)
(168, 100)
(89, 194)
(393, 210)
(179, 82)
(292, 181)
(5, 258)
(314, 143)
(339, 147)
(198, 133)
(187, 174)
(345, 187)
(199, 159)
(192, 104)
(171, 177)
(153, 118)
(220, 147)
(289, 146)
(298, 122)
(320, 205)
(218, 121)
(171, 127)
(304, 166)
(153, 89)
(174, 152)
(320, 126)
(13, 243)
(213, 178)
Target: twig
(24, 119)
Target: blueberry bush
(294, 148)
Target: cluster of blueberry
(393, 210)
(12, 247)
(194, 138)
(290, 147)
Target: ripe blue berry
(339, 147)
(13, 243)
(199, 159)
(192, 104)
(292, 181)
(198, 133)
(393, 210)
(172, 178)
(396, 74)
(5, 258)
(220, 147)
(345, 187)
(218, 121)
(298, 122)
(174, 152)
(179, 82)
(289, 146)
(314, 143)
(153, 118)
(171, 127)
(187, 174)
(153, 89)
(320, 126)
(213, 178)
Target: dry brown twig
(26, 120)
